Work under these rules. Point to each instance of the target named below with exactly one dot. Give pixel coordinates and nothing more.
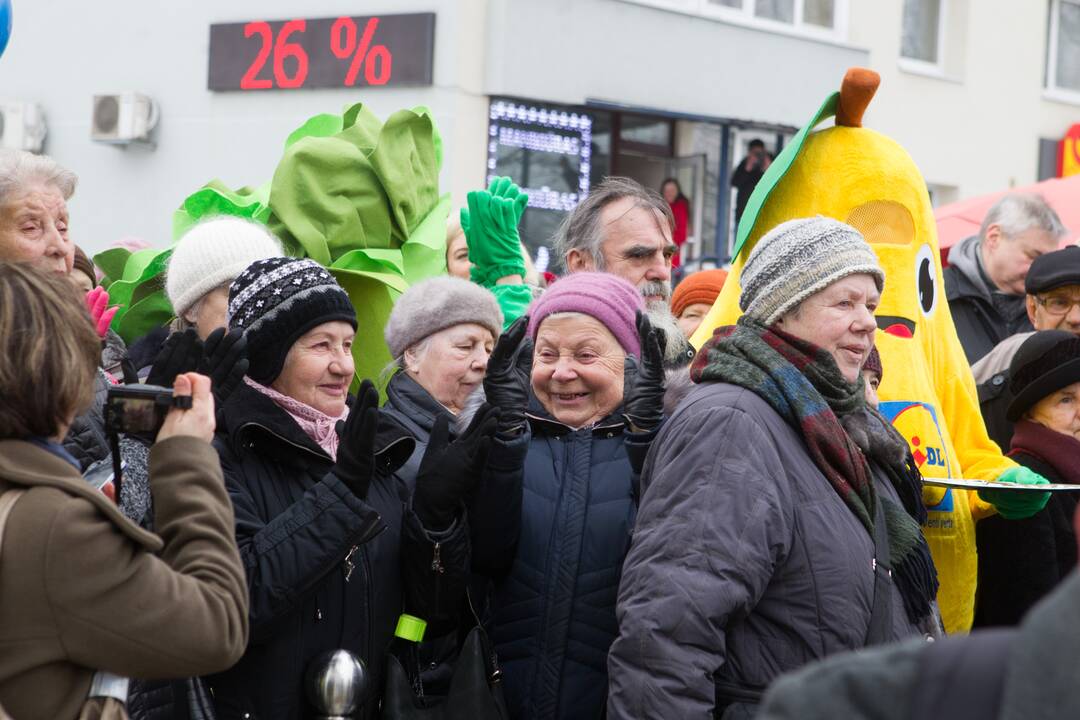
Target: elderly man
(984, 282)
(34, 190)
(624, 229)
(1053, 303)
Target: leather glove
(1017, 505)
(506, 383)
(97, 302)
(224, 360)
(449, 470)
(643, 383)
(180, 354)
(355, 465)
(491, 230)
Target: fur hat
(436, 304)
(606, 297)
(798, 258)
(212, 254)
(277, 300)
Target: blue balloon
(5, 24)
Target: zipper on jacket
(349, 565)
(436, 559)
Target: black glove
(224, 361)
(127, 369)
(355, 464)
(449, 470)
(180, 354)
(643, 383)
(506, 383)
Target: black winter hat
(1047, 361)
(1053, 270)
(277, 300)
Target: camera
(140, 409)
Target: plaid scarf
(803, 384)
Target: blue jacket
(555, 609)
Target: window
(922, 35)
(1063, 51)
(817, 18)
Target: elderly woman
(694, 297)
(1021, 561)
(34, 190)
(333, 548)
(775, 503)
(82, 588)
(592, 408)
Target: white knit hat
(212, 254)
(798, 258)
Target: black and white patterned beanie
(277, 300)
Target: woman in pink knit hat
(594, 401)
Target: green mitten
(491, 230)
(1013, 505)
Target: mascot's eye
(926, 280)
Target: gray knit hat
(436, 304)
(798, 258)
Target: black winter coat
(1022, 561)
(325, 568)
(555, 609)
(980, 324)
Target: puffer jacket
(325, 569)
(555, 609)
(86, 439)
(983, 315)
(745, 564)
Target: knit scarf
(316, 424)
(1058, 450)
(803, 384)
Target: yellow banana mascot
(867, 180)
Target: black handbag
(475, 691)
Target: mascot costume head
(867, 180)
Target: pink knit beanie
(606, 297)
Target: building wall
(975, 128)
(62, 52)
(571, 51)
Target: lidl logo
(917, 423)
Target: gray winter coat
(745, 563)
(1026, 673)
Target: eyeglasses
(1058, 305)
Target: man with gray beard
(625, 229)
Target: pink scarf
(319, 426)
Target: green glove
(1013, 505)
(491, 230)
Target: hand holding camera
(196, 421)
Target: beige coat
(82, 588)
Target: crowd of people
(632, 528)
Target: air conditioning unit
(123, 118)
(22, 126)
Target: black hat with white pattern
(277, 300)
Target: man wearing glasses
(1053, 303)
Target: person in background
(34, 190)
(457, 250)
(590, 406)
(82, 588)
(1053, 303)
(625, 229)
(335, 547)
(984, 281)
(680, 210)
(748, 174)
(83, 273)
(1020, 561)
(871, 373)
(779, 518)
(694, 297)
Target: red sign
(320, 53)
(1069, 153)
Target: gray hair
(19, 168)
(1018, 212)
(582, 230)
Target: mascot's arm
(978, 455)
